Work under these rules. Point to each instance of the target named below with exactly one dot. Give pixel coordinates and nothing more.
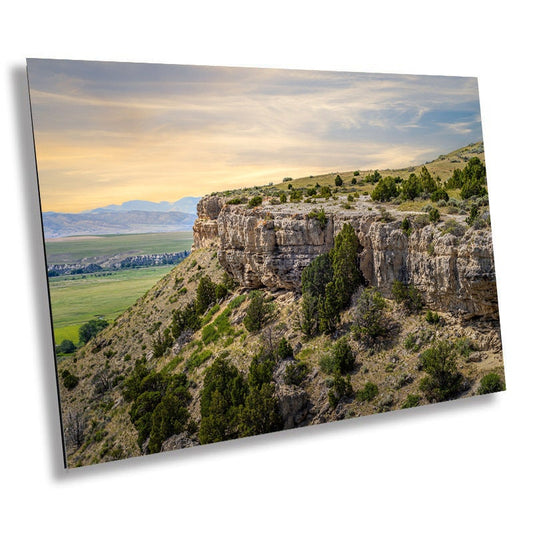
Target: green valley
(78, 299)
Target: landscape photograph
(232, 252)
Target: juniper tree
(345, 265)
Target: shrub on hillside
(236, 201)
(295, 373)
(344, 258)
(328, 283)
(325, 192)
(432, 317)
(443, 381)
(222, 396)
(184, 319)
(434, 215)
(413, 400)
(427, 182)
(439, 195)
(369, 321)
(406, 226)
(70, 381)
(453, 227)
(259, 312)
(161, 343)
(385, 190)
(308, 318)
(260, 412)
(474, 178)
(411, 188)
(66, 346)
(255, 201)
(341, 388)
(491, 383)
(159, 404)
(205, 295)
(367, 393)
(408, 295)
(284, 349)
(317, 275)
(373, 178)
(320, 216)
(91, 329)
(465, 346)
(261, 369)
(473, 215)
(456, 181)
(341, 361)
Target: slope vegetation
(204, 356)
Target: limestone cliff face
(269, 246)
(205, 229)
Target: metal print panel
(239, 251)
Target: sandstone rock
(385, 403)
(209, 207)
(271, 245)
(476, 357)
(293, 403)
(205, 229)
(177, 442)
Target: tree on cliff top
(385, 190)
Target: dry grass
(442, 167)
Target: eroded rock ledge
(269, 246)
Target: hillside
(231, 343)
(443, 166)
(110, 222)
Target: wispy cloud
(109, 132)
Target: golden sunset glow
(112, 132)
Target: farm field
(78, 299)
(72, 249)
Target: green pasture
(78, 299)
(72, 249)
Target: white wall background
(455, 467)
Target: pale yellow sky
(112, 132)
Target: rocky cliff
(269, 246)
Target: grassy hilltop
(443, 166)
(349, 185)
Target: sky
(111, 132)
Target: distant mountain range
(184, 205)
(136, 216)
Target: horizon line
(251, 186)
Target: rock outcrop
(205, 227)
(269, 246)
(177, 442)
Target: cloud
(113, 132)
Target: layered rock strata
(269, 246)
